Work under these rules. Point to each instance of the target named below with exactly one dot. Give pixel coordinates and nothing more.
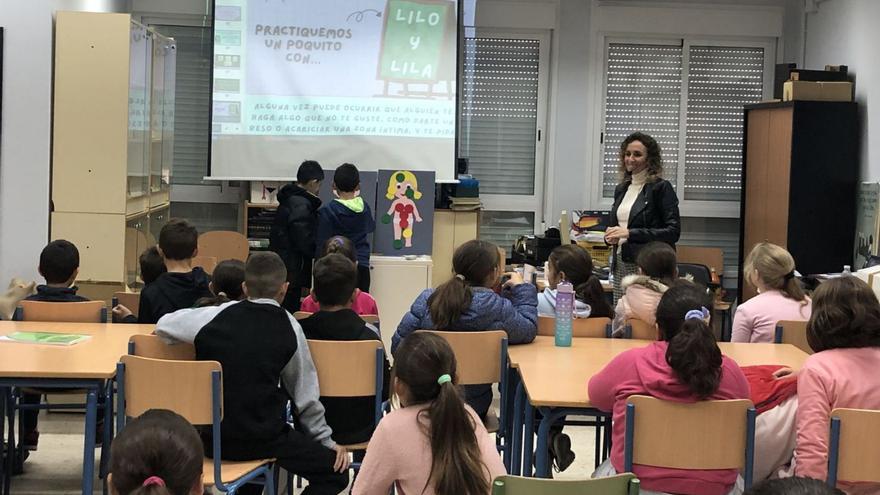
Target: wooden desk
(88, 365)
(555, 378)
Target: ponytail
(449, 301)
(457, 463)
(692, 352)
(425, 365)
(152, 489)
(592, 293)
(695, 357)
(474, 263)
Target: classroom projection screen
(371, 82)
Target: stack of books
(464, 204)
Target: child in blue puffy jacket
(468, 303)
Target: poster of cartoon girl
(403, 190)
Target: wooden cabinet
(451, 229)
(799, 180)
(112, 142)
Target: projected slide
(371, 82)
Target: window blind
(643, 93)
(504, 227)
(192, 100)
(721, 80)
(499, 109)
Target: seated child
(59, 265)
(685, 365)
(182, 285)
(770, 268)
(266, 360)
(844, 331)
(792, 486)
(152, 265)
(227, 283)
(348, 216)
(352, 419)
(363, 304)
(157, 452)
(434, 444)
(641, 293)
(574, 264)
(467, 303)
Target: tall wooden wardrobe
(799, 180)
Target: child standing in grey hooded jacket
(468, 303)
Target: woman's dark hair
(226, 283)
(341, 245)
(457, 465)
(577, 265)
(654, 158)
(692, 352)
(657, 260)
(473, 263)
(152, 264)
(846, 313)
(792, 486)
(159, 443)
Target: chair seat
(231, 471)
(491, 422)
(356, 446)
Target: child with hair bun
(157, 453)
(684, 365)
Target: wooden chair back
(701, 435)
(710, 257)
(372, 319)
(794, 333)
(477, 354)
(224, 245)
(641, 330)
(152, 346)
(345, 368)
(621, 484)
(854, 452)
(131, 300)
(74, 312)
(184, 387)
(208, 263)
(301, 315)
(580, 327)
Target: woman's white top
(629, 199)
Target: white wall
(844, 32)
(26, 127)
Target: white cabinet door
(395, 283)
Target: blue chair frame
(751, 414)
(266, 471)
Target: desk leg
(108, 434)
(6, 468)
(529, 438)
(89, 444)
(10, 441)
(515, 454)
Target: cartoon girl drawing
(403, 188)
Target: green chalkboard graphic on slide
(414, 40)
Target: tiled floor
(56, 468)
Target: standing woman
(645, 206)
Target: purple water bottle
(564, 311)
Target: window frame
(688, 208)
(515, 202)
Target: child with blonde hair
(770, 269)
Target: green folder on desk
(47, 338)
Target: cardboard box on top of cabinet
(817, 91)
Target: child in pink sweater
(770, 268)
(363, 304)
(685, 365)
(844, 330)
(435, 444)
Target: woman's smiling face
(635, 157)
